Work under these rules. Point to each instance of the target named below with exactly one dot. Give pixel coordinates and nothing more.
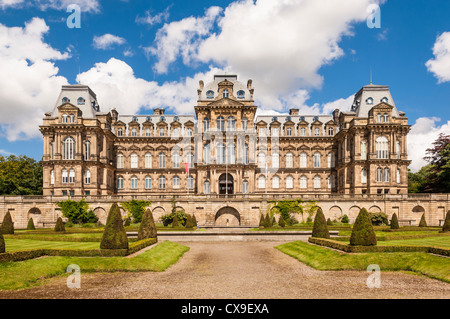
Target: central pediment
(225, 103)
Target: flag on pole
(186, 167)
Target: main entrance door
(228, 216)
(226, 184)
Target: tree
(77, 212)
(281, 222)
(329, 222)
(30, 225)
(379, 219)
(345, 219)
(268, 221)
(136, 208)
(7, 225)
(320, 228)
(394, 222)
(114, 235)
(2, 244)
(363, 233)
(261, 220)
(189, 223)
(20, 175)
(446, 227)
(175, 221)
(148, 227)
(59, 227)
(423, 222)
(194, 220)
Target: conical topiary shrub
(281, 222)
(423, 222)
(148, 226)
(59, 227)
(7, 225)
(114, 235)
(394, 222)
(320, 229)
(30, 225)
(189, 223)
(329, 222)
(268, 221)
(2, 244)
(446, 227)
(363, 233)
(261, 220)
(175, 221)
(127, 222)
(194, 220)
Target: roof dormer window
(240, 94)
(65, 100)
(210, 94)
(369, 101)
(81, 101)
(385, 100)
(135, 119)
(162, 118)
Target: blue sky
(310, 54)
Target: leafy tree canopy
(136, 208)
(77, 212)
(20, 175)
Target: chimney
(294, 111)
(156, 112)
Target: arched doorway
(226, 185)
(228, 216)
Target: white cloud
(85, 5)
(28, 78)
(423, 133)
(107, 41)
(440, 65)
(5, 153)
(10, 3)
(344, 105)
(150, 19)
(116, 85)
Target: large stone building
(226, 163)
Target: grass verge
(326, 259)
(19, 275)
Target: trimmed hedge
(114, 235)
(394, 222)
(7, 225)
(2, 244)
(320, 229)
(390, 238)
(377, 249)
(446, 227)
(30, 225)
(148, 227)
(423, 222)
(59, 227)
(363, 233)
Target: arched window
(397, 149)
(87, 177)
(387, 175)
(176, 160)
(245, 187)
(245, 160)
(379, 119)
(220, 124)
(134, 132)
(64, 118)
(240, 94)
(231, 154)
(379, 175)
(363, 150)
(52, 150)
(190, 160)
(316, 131)
(331, 160)
(275, 160)
(261, 181)
(162, 160)
(220, 154)
(231, 123)
(276, 182)
(385, 118)
(189, 131)
(225, 93)
(162, 131)
(120, 161)
(207, 154)
(134, 160)
(148, 160)
(317, 182)
(330, 131)
(364, 176)
(71, 118)
(303, 182)
(134, 182)
(162, 182)
(65, 100)
(369, 101)
(289, 131)
(303, 160)
(205, 124)
(148, 132)
(65, 176)
(71, 175)
(262, 131)
(317, 160)
(190, 182)
(81, 101)
(148, 182)
(289, 182)
(275, 131)
(210, 94)
(262, 160)
(52, 177)
(176, 182)
(303, 131)
(382, 147)
(206, 187)
(385, 100)
(330, 181)
(69, 148)
(87, 151)
(289, 160)
(120, 183)
(119, 132)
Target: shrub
(363, 233)
(345, 219)
(114, 235)
(293, 220)
(309, 219)
(423, 222)
(30, 225)
(194, 220)
(77, 212)
(268, 221)
(261, 220)
(281, 222)
(7, 225)
(189, 223)
(127, 222)
(175, 221)
(394, 222)
(2, 244)
(168, 218)
(320, 229)
(379, 219)
(148, 227)
(329, 222)
(136, 208)
(446, 227)
(59, 227)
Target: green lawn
(27, 244)
(18, 275)
(326, 259)
(431, 242)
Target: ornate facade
(225, 149)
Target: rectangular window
(64, 193)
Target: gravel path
(247, 270)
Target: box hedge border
(377, 249)
(390, 238)
(36, 253)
